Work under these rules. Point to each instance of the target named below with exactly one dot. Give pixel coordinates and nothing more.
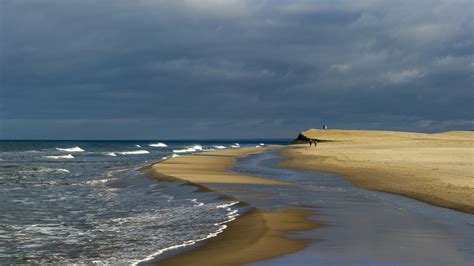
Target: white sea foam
(47, 170)
(111, 154)
(226, 205)
(69, 156)
(158, 145)
(262, 144)
(184, 150)
(98, 181)
(193, 148)
(232, 215)
(197, 147)
(235, 145)
(133, 152)
(219, 147)
(73, 149)
(138, 146)
(198, 204)
(175, 155)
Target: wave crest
(69, 156)
(158, 145)
(47, 170)
(220, 147)
(73, 149)
(184, 150)
(133, 152)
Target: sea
(88, 202)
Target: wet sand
(210, 167)
(254, 236)
(434, 168)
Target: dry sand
(434, 168)
(254, 236)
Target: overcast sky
(151, 69)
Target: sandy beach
(257, 234)
(434, 168)
(210, 167)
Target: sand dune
(435, 168)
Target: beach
(298, 217)
(210, 167)
(434, 168)
(257, 234)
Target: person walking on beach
(313, 141)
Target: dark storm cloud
(197, 69)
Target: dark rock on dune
(301, 139)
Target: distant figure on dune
(325, 127)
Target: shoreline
(254, 235)
(432, 168)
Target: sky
(199, 69)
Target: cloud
(404, 75)
(219, 68)
(341, 67)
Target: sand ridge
(211, 167)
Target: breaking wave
(73, 149)
(47, 170)
(193, 148)
(197, 147)
(69, 156)
(184, 150)
(219, 147)
(133, 152)
(158, 145)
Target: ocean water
(86, 201)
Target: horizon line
(210, 139)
